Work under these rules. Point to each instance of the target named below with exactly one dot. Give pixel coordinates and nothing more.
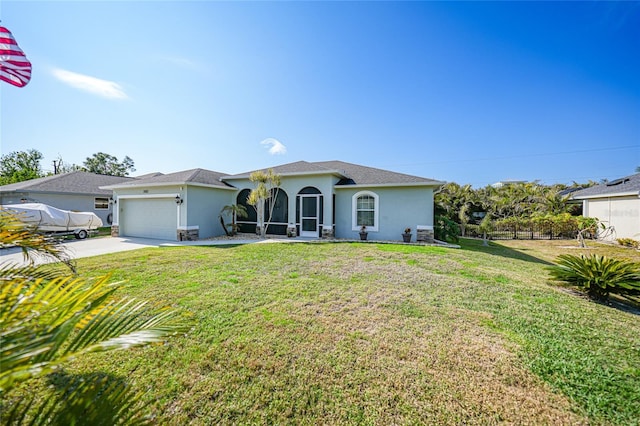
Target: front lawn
(352, 333)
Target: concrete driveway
(97, 246)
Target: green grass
(370, 333)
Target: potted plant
(406, 236)
(363, 232)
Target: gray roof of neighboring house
(193, 176)
(73, 183)
(350, 174)
(625, 185)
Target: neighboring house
(507, 182)
(616, 204)
(315, 199)
(75, 191)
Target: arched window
(365, 211)
(280, 214)
(247, 224)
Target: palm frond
(84, 400)
(46, 322)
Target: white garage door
(148, 218)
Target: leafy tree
(106, 164)
(19, 166)
(263, 195)
(485, 226)
(552, 202)
(457, 203)
(49, 317)
(63, 167)
(598, 275)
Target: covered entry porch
(308, 214)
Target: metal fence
(532, 231)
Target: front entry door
(309, 207)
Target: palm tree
(50, 316)
(554, 203)
(236, 211)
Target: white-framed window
(101, 203)
(365, 209)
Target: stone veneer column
(327, 231)
(425, 234)
(188, 234)
(115, 231)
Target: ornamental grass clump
(598, 275)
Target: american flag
(15, 68)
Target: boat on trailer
(51, 220)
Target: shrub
(628, 242)
(598, 275)
(446, 229)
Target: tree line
(457, 206)
(19, 166)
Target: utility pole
(55, 169)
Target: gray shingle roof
(362, 175)
(350, 174)
(298, 167)
(628, 184)
(73, 182)
(195, 176)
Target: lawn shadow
(92, 398)
(218, 246)
(492, 248)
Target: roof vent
(618, 182)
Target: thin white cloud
(275, 146)
(96, 86)
(180, 61)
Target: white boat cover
(51, 219)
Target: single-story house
(74, 191)
(315, 200)
(616, 204)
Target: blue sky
(470, 92)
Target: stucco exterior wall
(399, 208)
(80, 202)
(622, 213)
(203, 208)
